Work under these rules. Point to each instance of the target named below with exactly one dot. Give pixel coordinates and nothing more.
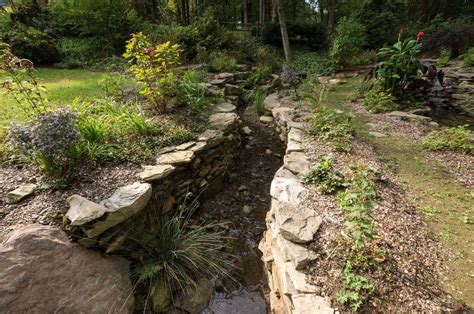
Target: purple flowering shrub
(289, 76)
(51, 141)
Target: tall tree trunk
(245, 12)
(274, 11)
(331, 26)
(284, 30)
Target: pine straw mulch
(411, 276)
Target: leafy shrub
(257, 98)
(5, 22)
(311, 35)
(349, 40)
(468, 60)
(35, 45)
(51, 142)
(325, 176)
(246, 48)
(356, 288)
(381, 20)
(220, 61)
(190, 92)
(152, 67)
(78, 52)
(260, 75)
(109, 23)
(312, 63)
(334, 127)
(357, 201)
(379, 101)
(455, 35)
(397, 68)
(444, 58)
(178, 251)
(364, 58)
(203, 34)
(459, 138)
(117, 86)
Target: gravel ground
(47, 206)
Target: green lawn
(63, 86)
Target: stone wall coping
(289, 224)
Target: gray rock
(232, 90)
(296, 223)
(185, 146)
(421, 111)
(82, 211)
(246, 130)
(43, 272)
(153, 173)
(295, 253)
(266, 119)
(286, 188)
(297, 163)
(225, 107)
(229, 77)
(408, 116)
(196, 299)
(282, 114)
(272, 101)
(20, 193)
(223, 121)
(212, 138)
(295, 135)
(175, 158)
(246, 209)
(123, 204)
(311, 303)
(296, 125)
(294, 147)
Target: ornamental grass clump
(51, 142)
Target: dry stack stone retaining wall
(192, 169)
(290, 225)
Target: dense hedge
(312, 35)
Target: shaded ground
(244, 203)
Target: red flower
(420, 35)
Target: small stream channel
(244, 203)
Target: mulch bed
(412, 275)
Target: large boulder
(43, 272)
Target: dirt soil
(245, 201)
